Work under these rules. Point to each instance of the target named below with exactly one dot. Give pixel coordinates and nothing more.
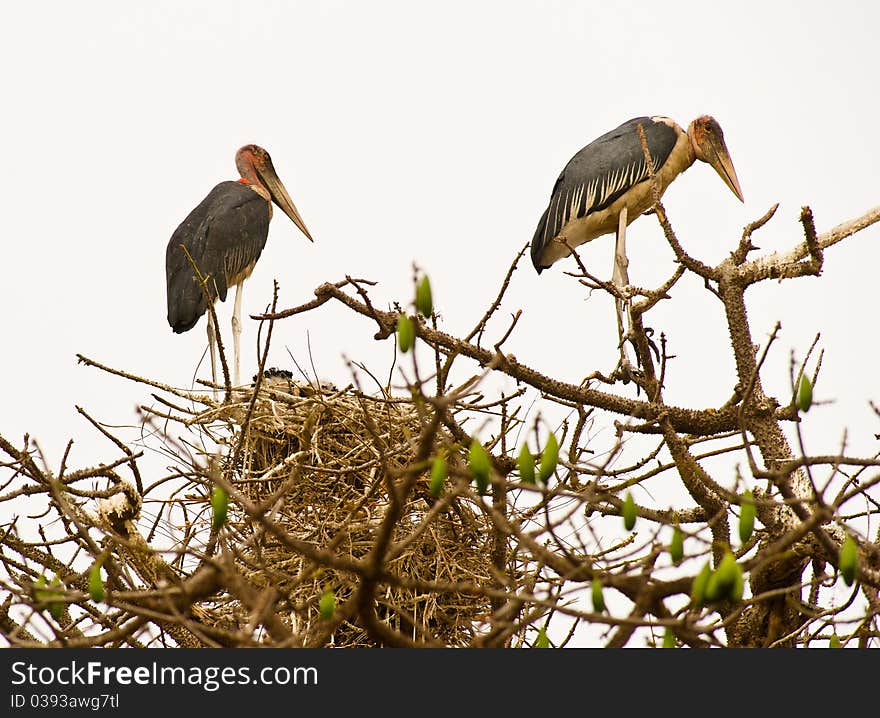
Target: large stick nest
(328, 456)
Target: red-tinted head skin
(255, 167)
(707, 141)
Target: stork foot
(625, 372)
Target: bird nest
(324, 460)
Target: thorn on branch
(816, 256)
(745, 244)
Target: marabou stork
(607, 185)
(225, 236)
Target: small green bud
(598, 598)
(479, 465)
(834, 641)
(628, 511)
(406, 333)
(424, 303)
(713, 590)
(723, 579)
(541, 641)
(676, 546)
(847, 561)
(327, 605)
(219, 507)
(438, 476)
(698, 587)
(96, 583)
(668, 639)
(549, 459)
(738, 586)
(804, 399)
(747, 513)
(525, 463)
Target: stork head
(707, 141)
(255, 167)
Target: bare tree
(433, 511)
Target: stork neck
(257, 186)
(693, 145)
(689, 155)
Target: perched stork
(607, 185)
(225, 236)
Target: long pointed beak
(718, 156)
(282, 199)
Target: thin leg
(620, 273)
(212, 348)
(236, 335)
(620, 278)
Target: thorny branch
(337, 531)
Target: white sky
(406, 133)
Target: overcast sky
(408, 132)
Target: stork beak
(717, 155)
(281, 198)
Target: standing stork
(225, 236)
(607, 185)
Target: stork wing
(600, 173)
(224, 234)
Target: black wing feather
(600, 173)
(224, 234)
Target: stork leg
(620, 279)
(236, 335)
(620, 271)
(212, 349)
(620, 274)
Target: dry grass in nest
(330, 454)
